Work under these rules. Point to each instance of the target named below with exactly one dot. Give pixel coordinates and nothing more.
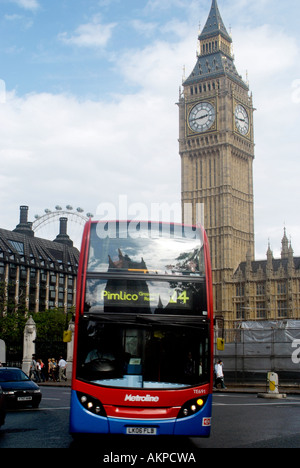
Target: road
(45, 427)
(239, 421)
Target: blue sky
(88, 97)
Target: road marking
(52, 399)
(34, 410)
(54, 409)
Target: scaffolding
(256, 348)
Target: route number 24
(182, 298)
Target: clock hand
(198, 118)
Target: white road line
(51, 399)
(55, 409)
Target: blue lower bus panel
(84, 422)
(196, 425)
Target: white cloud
(264, 51)
(145, 28)
(164, 5)
(159, 66)
(246, 8)
(64, 150)
(27, 4)
(93, 34)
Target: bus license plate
(141, 430)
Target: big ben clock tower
(216, 146)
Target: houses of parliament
(216, 147)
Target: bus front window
(145, 356)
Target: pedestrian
(38, 370)
(62, 365)
(55, 368)
(219, 374)
(51, 369)
(33, 369)
(42, 370)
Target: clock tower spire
(216, 146)
(214, 24)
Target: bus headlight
(91, 404)
(191, 407)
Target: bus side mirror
(220, 344)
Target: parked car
(18, 389)
(2, 408)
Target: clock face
(241, 120)
(202, 117)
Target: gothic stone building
(267, 289)
(216, 146)
(39, 273)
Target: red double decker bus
(144, 331)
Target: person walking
(38, 370)
(62, 365)
(33, 369)
(42, 370)
(219, 374)
(51, 370)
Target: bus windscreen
(146, 355)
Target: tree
(13, 317)
(50, 326)
(12, 320)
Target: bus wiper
(106, 319)
(112, 318)
(144, 320)
(171, 321)
(99, 316)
